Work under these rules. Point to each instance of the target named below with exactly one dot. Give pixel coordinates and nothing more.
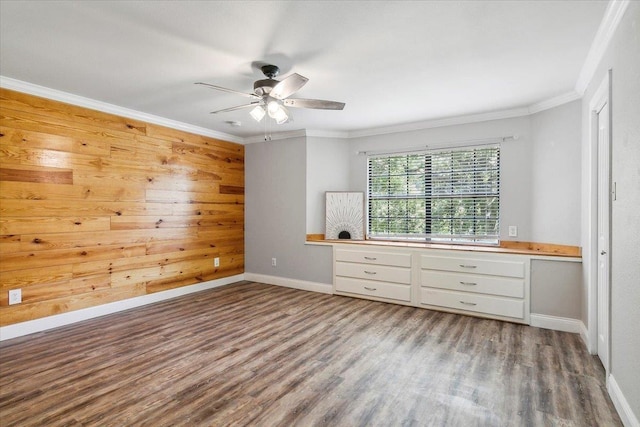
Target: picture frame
(344, 215)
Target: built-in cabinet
(495, 285)
(486, 284)
(377, 274)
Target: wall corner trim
(324, 288)
(612, 17)
(57, 320)
(629, 419)
(563, 324)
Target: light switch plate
(513, 231)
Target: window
(449, 195)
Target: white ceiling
(391, 62)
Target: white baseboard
(558, 323)
(629, 419)
(57, 320)
(324, 288)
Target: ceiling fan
(271, 96)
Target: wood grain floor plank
(254, 354)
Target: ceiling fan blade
(224, 89)
(239, 107)
(288, 86)
(318, 104)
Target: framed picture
(345, 215)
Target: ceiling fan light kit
(257, 113)
(270, 96)
(272, 108)
(280, 115)
(277, 112)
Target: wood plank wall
(96, 208)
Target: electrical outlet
(15, 296)
(273, 262)
(216, 262)
(513, 231)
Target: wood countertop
(505, 247)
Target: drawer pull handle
(370, 272)
(468, 283)
(468, 266)
(370, 289)
(370, 258)
(468, 303)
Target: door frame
(601, 96)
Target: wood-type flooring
(260, 355)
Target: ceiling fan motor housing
(271, 71)
(263, 87)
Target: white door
(604, 256)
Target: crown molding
(275, 136)
(612, 17)
(554, 102)
(449, 121)
(57, 95)
(473, 118)
(327, 133)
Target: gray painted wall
(275, 213)
(327, 170)
(540, 172)
(516, 166)
(556, 288)
(555, 185)
(286, 181)
(623, 57)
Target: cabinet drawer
(474, 266)
(505, 286)
(374, 272)
(498, 306)
(370, 257)
(373, 288)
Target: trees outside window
(450, 195)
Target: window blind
(448, 195)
